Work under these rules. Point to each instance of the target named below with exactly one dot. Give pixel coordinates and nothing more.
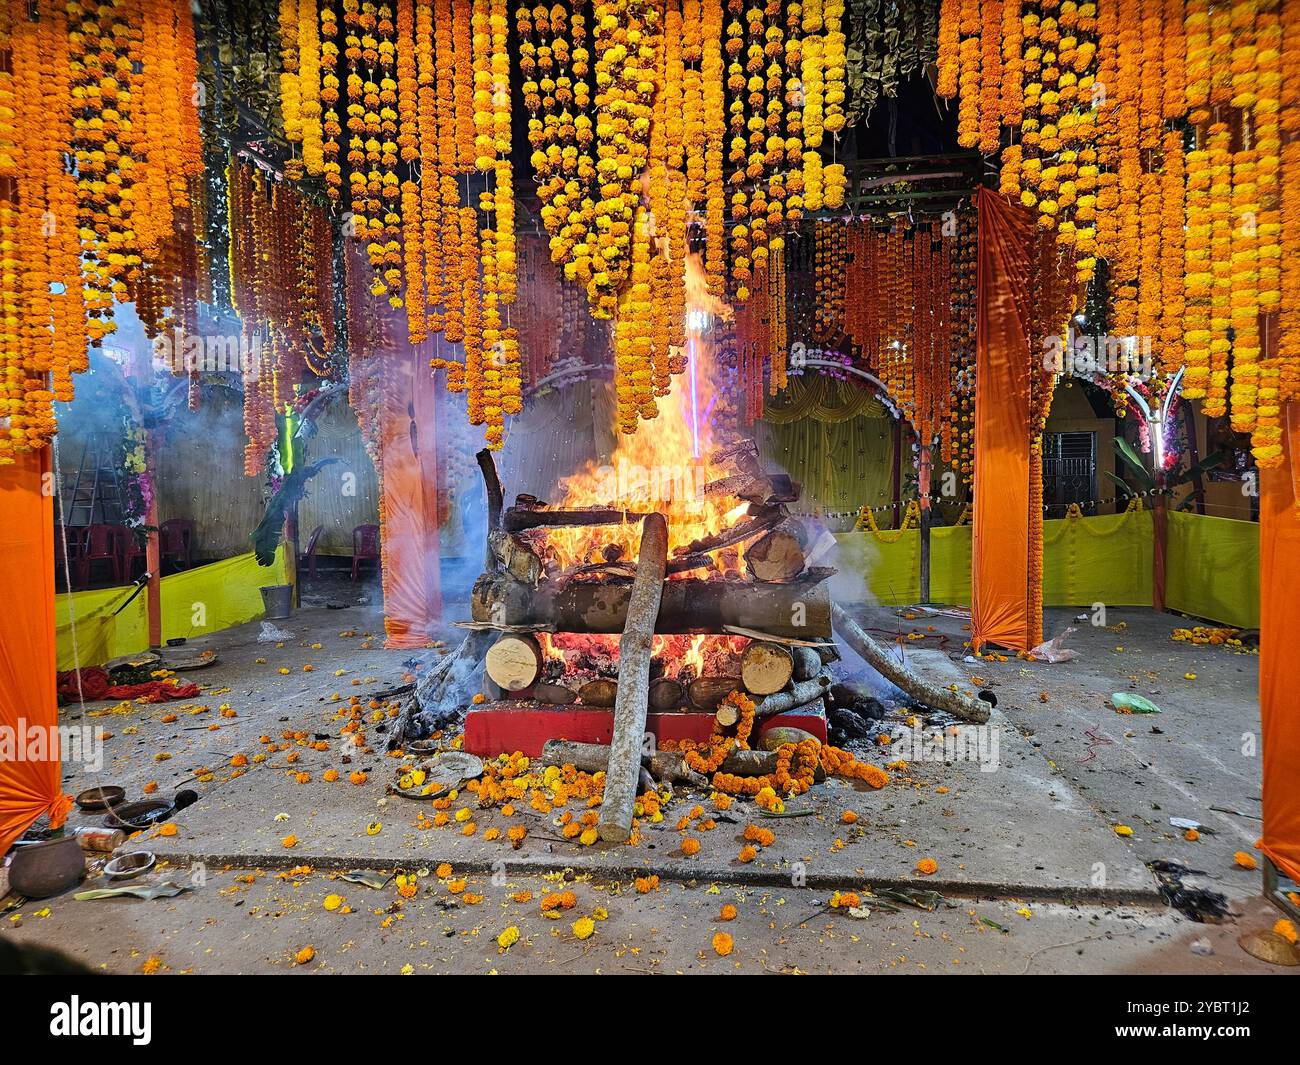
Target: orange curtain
(29, 786)
(408, 504)
(1002, 570)
(1279, 666)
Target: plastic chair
(365, 545)
(69, 561)
(132, 550)
(308, 558)
(101, 544)
(176, 540)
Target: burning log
(778, 555)
(518, 559)
(554, 694)
(599, 692)
(807, 663)
(634, 654)
(766, 668)
(799, 694)
(514, 662)
(975, 711)
(666, 694)
(761, 519)
(705, 693)
(799, 609)
(449, 685)
(521, 519)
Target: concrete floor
(1029, 847)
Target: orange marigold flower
(927, 866)
(357, 777)
(690, 846)
(305, 955)
(1245, 860)
(728, 913)
(849, 817)
(722, 944)
(748, 853)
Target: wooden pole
(630, 706)
(973, 710)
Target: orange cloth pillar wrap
(1001, 571)
(29, 786)
(409, 499)
(1279, 634)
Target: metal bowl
(102, 798)
(138, 815)
(130, 864)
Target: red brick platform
(520, 725)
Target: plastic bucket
(277, 600)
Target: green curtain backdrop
(834, 438)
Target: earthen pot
(39, 870)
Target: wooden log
(777, 556)
(800, 609)
(632, 704)
(446, 686)
(514, 662)
(766, 667)
(554, 694)
(495, 498)
(767, 518)
(516, 557)
(594, 757)
(975, 711)
(666, 694)
(705, 693)
(807, 663)
(799, 694)
(520, 519)
(599, 692)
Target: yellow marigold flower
(508, 938)
(332, 902)
(583, 927)
(305, 955)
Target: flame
(685, 656)
(665, 464)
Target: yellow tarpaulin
(1212, 569)
(205, 599)
(1104, 559)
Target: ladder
(98, 487)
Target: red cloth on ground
(95, 684)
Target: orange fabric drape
(409, 499)
(28, 787)
(1279, 634)
(1001, 568)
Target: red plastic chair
(365, 545)
(102, 543)
(132, 549)
(68, 561)
(176, 541)
(309, 555)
